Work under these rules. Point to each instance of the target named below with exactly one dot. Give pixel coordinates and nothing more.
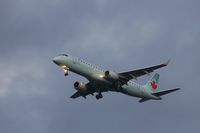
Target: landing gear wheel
(66, 74)
(99, 96)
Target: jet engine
(79, 86)
(112, 76)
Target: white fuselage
(96, 74)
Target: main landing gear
(99, 96)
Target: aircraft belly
(135, 91)
(90, 73)
(81, 69)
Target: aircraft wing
(76, 95)
(126, 76)
(79, 94)
(84, 93)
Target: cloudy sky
(120, 35)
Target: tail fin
(152, 84)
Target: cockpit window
(64, 55)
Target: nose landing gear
(66, 74)
(65, 69)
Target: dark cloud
(118, 35)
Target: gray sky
(119, 35)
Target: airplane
(107, 80)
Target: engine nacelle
(80, 86)
(112, 76)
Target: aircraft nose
(56, 60)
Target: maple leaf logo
(154, 85)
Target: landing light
(64, 68)
(101, 76)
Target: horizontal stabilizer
(146, 99)
(161, 93)
(143, 100)
(158, 94)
